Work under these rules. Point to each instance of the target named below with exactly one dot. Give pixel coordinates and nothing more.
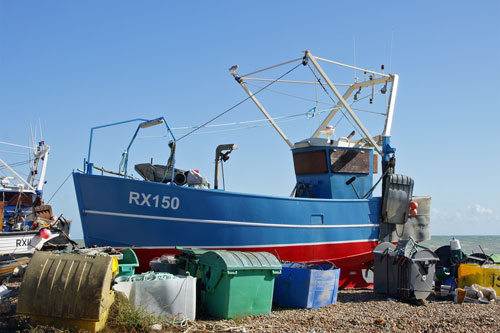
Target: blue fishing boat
(332, 214)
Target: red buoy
(44, 233)
(413, 212)
(413, 205)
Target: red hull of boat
(352, 258)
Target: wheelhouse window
(313, 162)
(350, 161)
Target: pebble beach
(365, 311)
(355, 311)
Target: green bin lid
(236, 260)
(192, 252)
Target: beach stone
(364, 311)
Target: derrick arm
(262, 109)
(344, 103)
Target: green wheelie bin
(237, 284)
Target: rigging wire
(311, 100)
(239, 122)
(239, 103)
(285, 119)
(244, 128)
(290, 95)
(64, 182)
(360, 110)
(18, 172)
(15, 164)
(326, 91)
(13, 152)
(316, 106)
(368, 111)
(290, 119)
(14, 145)
(278, 119)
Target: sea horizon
(490, 244)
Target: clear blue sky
(77, 64)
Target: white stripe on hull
(250, 224)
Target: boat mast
(43, 154)
(390, 106)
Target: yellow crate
(486, 276)
(79, 325)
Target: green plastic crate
(127, 265)
(237, 284)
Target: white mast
(390, 106)
(44, 155)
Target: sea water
(469, 244)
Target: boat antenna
(40, 125)
(384, 89)
(31, 143)
(390, 51)
(354, 54)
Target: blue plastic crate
(301, 286)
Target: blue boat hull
(154, 218)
